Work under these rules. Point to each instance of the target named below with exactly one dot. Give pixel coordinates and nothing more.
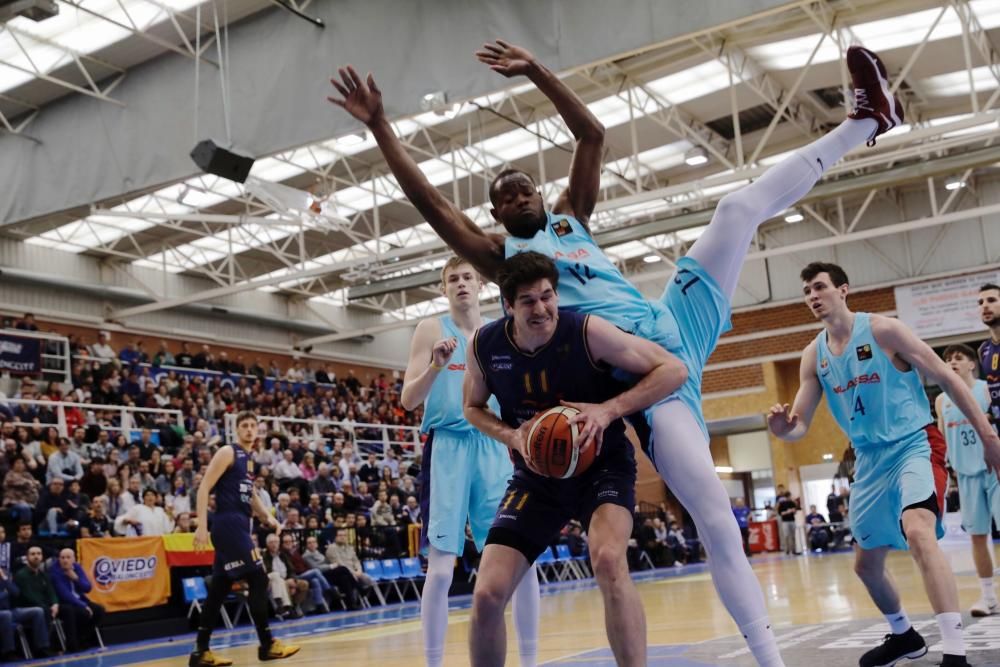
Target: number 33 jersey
(874, 402)
(965, 451)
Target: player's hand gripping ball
(554, 444)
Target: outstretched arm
(585, 170)
(363, 100)
(792, 423)
(893, 335)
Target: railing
(55, 357)
(127, 415)
(355, 432)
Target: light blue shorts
(690, 316)
(889, 478)
(463, 479)
(979, 495)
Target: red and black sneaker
(872, 98)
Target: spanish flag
(181, 553)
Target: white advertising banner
(945, 307)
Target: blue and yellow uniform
(886, 414)
(989, 362)
(977, 487)
(686, 320)
(235, 554)
(535, 508)
(464, 473)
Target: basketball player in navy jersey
(230, 477)
(464, 473)
(989, 351)
(694, 309)
(533, 360)
(867, 366)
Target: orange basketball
(553, 443)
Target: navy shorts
(235, 554)
(535, 508)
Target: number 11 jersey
(874, 402)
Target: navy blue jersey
(989, 361)
(526, 383)
(234, 489)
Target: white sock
(898, 622)
(989, 592)
(835, 144)
(434, 604)
(950, 624)
(760, 640)
(525, 603)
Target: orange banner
(127, 572)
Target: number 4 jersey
(965, 451)
(989, 362)
(874, 402)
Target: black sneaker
(954, 661)
(894, 648)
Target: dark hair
(148, 490)
(245, 415)
(523, 269)
(837, 274)
(504, 174)
(989, 286)
(964, 350)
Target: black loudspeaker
(214, 159)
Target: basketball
(552, 441)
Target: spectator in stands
(34, 588)
(80, 615)
(178, 501)
(54, 508)
(184, 523)
(20, 491)
(343, 561)
(23, 540)
(323, 484)
(128, 355)
(411, 511)
(319, 587)
(97, 523)
(293, 521)
(185, 359)
(102, 349)
(27, 323)
(397, 510)
(381, 513)
(323, 375)
(100, 448)
(113, 498)
(287, 591)
(164, 357)
(65, 463)
(31, 618)
(201, 359)
(146, 519)
(391, 462)
(369, 471)
(677, 542)
(286, 471)
(365, 498)
(308, 467)
(577, 542)
(94, 483)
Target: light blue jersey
(873, 402)
(965, 450)
(589, 282)
(443, 405)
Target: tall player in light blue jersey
(464, 474)
(694, 309)
(867, 366)
(978, 488)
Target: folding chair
(23, 640)
(373, 569)
(569, 566)
(195, 592)
(546, 565)
(393, 574)
(583, 562)
(412, 573)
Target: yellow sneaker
(207, 659)
(277, 651)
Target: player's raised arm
(427, 357)
(585, 170)
(892, 334)
(362, 99)
(792, 422)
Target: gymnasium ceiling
(326, 221)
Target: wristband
(435, 366)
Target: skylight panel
(692, 83)
(957, 83)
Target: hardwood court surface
(681, 608)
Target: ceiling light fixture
(696, 156)
(792, 215)
(954, 183)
